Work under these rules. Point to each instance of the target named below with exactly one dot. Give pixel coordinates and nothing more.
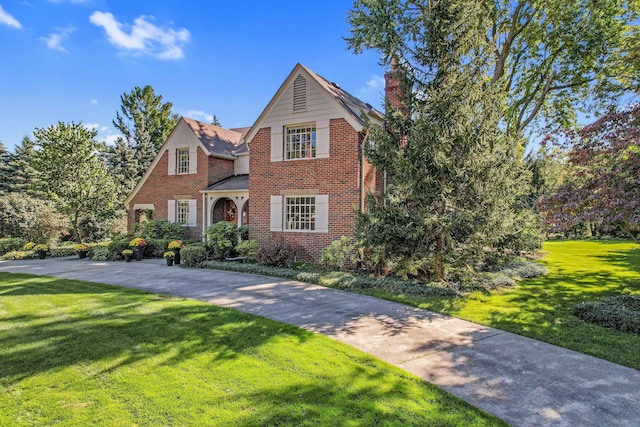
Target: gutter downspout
(362, 177)
(204, 214)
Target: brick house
(300, 166)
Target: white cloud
(105, 133)
(200, 115)
(143, 37)
(93, 101)
(54, 40)
(372, 91)
(7, 19)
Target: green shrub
(30, 218)
(247, 249)
(17, 255)
(193, 255)
(100, 253)
(243, 232)
(339, 254)
(115, 248)
(62, 251)
(161, 229)
(278, 254)
(621, 313)
(223, 238)
(11, 244)
(156, 248)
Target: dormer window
(299, 94)
(182, 160)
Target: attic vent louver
(299, 94)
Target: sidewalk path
(523, 381)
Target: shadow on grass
(130, 323)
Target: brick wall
(161, 187)
(338, 176)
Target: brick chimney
(392, 92)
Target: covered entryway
(227, 200)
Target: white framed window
(300, 213)
(182, 160)
(300, 142)
(182, 211)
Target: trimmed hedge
(193, 255)
(335, 279)
(621, 313)
(11, 244)
(17, 255)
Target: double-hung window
(182, 211)
(300, 142)
(182, 160)
(300, 213)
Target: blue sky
(70, 60)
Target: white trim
(143, 207)
(322, 213)
(193, 160)
(322, 139)
(193, 213)
(277, 141)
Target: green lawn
(542, 308)
(80, 353)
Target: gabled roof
(353, 107)
(353, 104)
(216, 140)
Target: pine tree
(24, 177)
(123, 167)
(454, 174)
(5, 177)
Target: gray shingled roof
(217, 140)
(233, 183)
(353, 104)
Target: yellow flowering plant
(28, 246)
(176, 244)
(138, 242)
(81, 247)
(169, 254)
(41, 248)
(126, 252)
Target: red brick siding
(161, 187)
(338, 176)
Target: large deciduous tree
(454, 174)
(549, 57)
(74, 174)
(604, 188)
(145, 122)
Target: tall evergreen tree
(145, 122)
(454, 173)
(123, 166)
(5, 177)
(23, 175)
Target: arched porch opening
(224, 209)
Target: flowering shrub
(41, 248)
(138, 241)
(28, 246)
(81, 247)
(169, 254)
(176, 244)
(126, 252)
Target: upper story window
(182, 160)
(300, 142)
(182, 211)
(300, 213)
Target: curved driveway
(523, 381)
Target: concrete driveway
(523, 381)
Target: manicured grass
(79, 353)
(542, 308)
